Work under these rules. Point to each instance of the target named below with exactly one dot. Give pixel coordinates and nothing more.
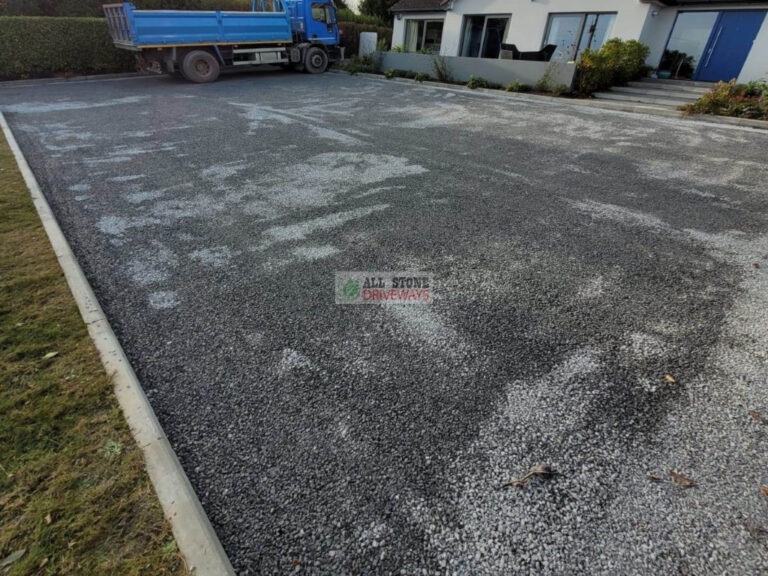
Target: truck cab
(197, 45)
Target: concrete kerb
(603, 104)
(195, 537)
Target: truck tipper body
(199, 44)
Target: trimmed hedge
(92, 8)
(350, 35)
(37, 46)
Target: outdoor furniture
(510, 52)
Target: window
(268, 6)
(574, 33)
(483, 36)
(687, 42)
(321, 13)
(426, 35)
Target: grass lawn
(74, 495)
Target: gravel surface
(580, 258)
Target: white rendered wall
(529, 19)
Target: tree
(341, 4)
(378, 8)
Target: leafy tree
(378, 8)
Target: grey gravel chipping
(580, 256)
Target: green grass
(74, 494)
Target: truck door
(322, 24)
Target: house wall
(502, 72)
(635, 20)
(528, 23)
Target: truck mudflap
(335, 53)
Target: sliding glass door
(483, 36)
(574, 33)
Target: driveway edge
(589, 103)
(195, 537)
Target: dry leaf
(543, 470)
(756, 264)
(756, 415)
(655, 477)
(71, 544)
(43, 563)
(50, 355)
(764, 490)
(681, 479)
(669, 378)
(48, 518)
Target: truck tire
(200, 66)
(315, 60)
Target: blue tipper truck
(197, 45)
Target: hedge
(350, 37)
(92, 8)
(37, 46)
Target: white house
(706, 40)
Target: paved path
(580, 256)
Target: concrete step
(655, 100)
(680, 83)
(698, 90)
(669, 94)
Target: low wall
(497, 71)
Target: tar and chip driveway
(579, 256)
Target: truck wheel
(315, 60)
(200, 66)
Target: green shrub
(343, 15)
(399, 49)
(476, 82)
(37, 46)
(389, 74)
(517, 86)
(616, 63)
(421, 77)
(560, 89)
(732, 99)
(350, 35)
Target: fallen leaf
(669, 378)
(655, 477)
(764, 490)
(543, 470)
(48, 518)
(12, 557)
(681, 479)
(43, 562)
(756, 264)
(756, 415)
(71, 544)
(50, 355)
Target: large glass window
(425, 35)
(483, 36)
(687, 43)
(573, 33)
